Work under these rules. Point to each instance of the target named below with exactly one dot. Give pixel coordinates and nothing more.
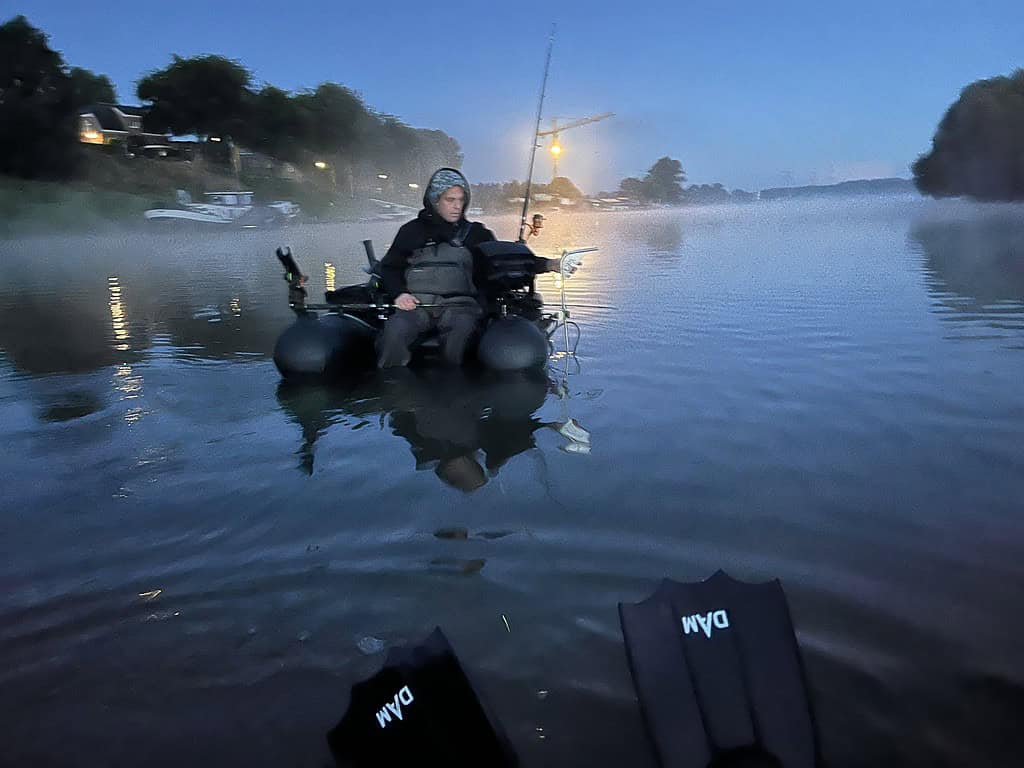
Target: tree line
(663, 184)
(208, 96)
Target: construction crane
(556, 148)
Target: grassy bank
(114, 191)
(30, 207)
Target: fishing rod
(536, 137)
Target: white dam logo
(394, 707)
(705, 622)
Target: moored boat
(226, 209)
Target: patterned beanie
(446, 178)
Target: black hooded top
(428, 226)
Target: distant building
(116, 124)
(615, 203)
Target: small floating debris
(153, 594)
(451, 533)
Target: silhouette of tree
(90, 88)
(38, 128)
(978, 148)
(664, 181)
(204, 95)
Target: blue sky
(746, 94)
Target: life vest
(442, 269)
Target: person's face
(449, 204)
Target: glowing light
(91, 137)
(126, 382)
(556, 150)
(413, 185)
(329, 273)
(215, 138)
(382, 175)
(118, 319)
(320, 164)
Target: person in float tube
(433, 261)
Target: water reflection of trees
(463, 425)
(71, 334)
(976, 267)
(664, 236)
(87, 328)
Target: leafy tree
(978, 148)
(90, 88)
(437, 149)
(561, 186)
(337, 119)
(278, 125)
(38, 125)
(634, 188)
(204, 95)
(663, 182)
(706, 194)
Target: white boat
(226, 208)
(388, 211)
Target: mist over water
(827, 393)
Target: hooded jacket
(429, 227)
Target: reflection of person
(463, 426)
(432, 261)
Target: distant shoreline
(887, 186)
(29, 207)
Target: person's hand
(406, 301)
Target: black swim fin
(419, 709)
(719, 676)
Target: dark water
(831, 395)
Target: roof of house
(108, 117)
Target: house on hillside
(116, 125)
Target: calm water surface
(830, 394)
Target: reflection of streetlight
(413, 185)
(382, 175)
(320, 164)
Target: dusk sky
(749, 95)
